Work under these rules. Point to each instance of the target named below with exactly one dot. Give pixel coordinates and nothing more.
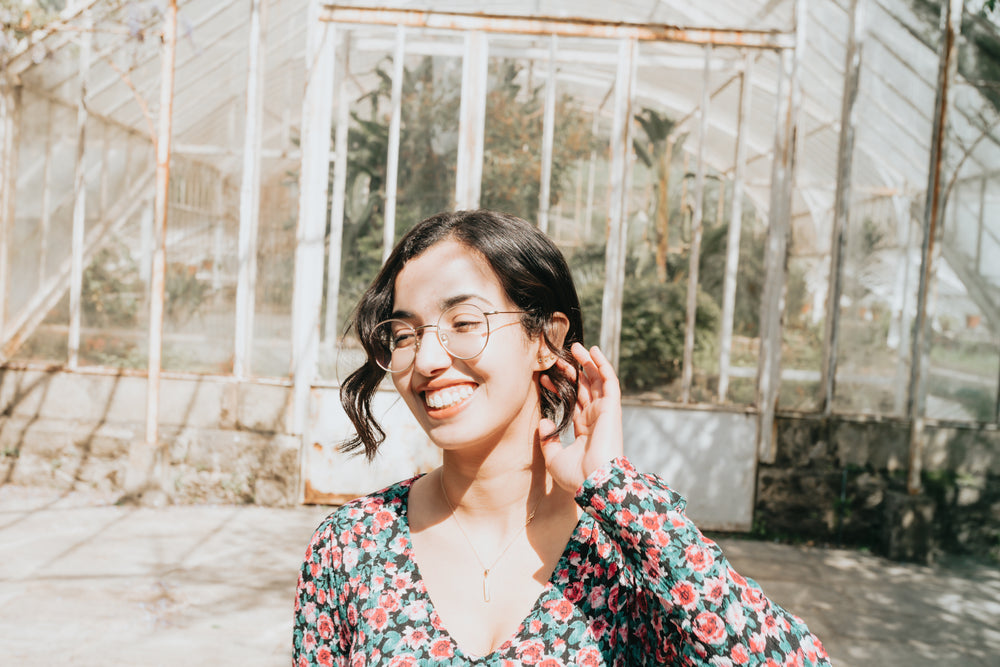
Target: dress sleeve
(716, 613)
(321, 636)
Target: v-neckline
(436, 620)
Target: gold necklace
(486, 570)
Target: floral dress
(637, 584)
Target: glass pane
(42, 232)
(581, 170)
(114, 298)
(279, 195)
(199, 303)
(873, 349)
(431, 95)
(965, 301)
(662, 224)
(279, 200)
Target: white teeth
(448, 396)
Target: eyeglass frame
(437, 326)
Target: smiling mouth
(447, 397)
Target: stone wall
(840, 481)
(834, 481)
(223, 441)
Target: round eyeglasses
(462, 330)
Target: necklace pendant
(486, 585)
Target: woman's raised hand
(597, 421)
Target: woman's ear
(555, 333)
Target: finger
(587, 365)
(607, 372)
(567, 369)
(548, 440)
(583, 396)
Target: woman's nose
(431, 357)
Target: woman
(518, 549)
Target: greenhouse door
(433, 111)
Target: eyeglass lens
(462, 330)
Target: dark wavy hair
(533, 274)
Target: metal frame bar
(621, 146)
(904, 234)
(563, 27)
(79, 197)
(548, 136)
(218, 235)
(339, 193)
(45, 215)
(588, 215)
(735, 228)
(694, 252)
(842, 200)
(307, 297)
(778, 230)
(151, 450)
(979, 230)
(472, 121)
(102, 204)
(392, 159)
(246, 281)
(10, 117)
(951, 21)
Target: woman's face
(471, 402)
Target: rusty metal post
(548, 136)
(563, 27)
(694, 254)
(307, 298)
(246, 281)
(143, 464)
(392, 159)
(842, 200)
(621, 147)
(79, 196)
(735, 227)
(951, 22)
(778, 230)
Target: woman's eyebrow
(462, 298)
(445, 304)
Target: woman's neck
(500, 488)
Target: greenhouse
(782, 218)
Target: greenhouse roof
(894, 113)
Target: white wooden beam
(315, 142)
(246, 280)
(621, 147)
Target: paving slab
(85, 582)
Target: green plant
(185, 292)
(112, 291)
(656, 152)
(652, 333)
(431, 95)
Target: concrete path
(83, 582)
